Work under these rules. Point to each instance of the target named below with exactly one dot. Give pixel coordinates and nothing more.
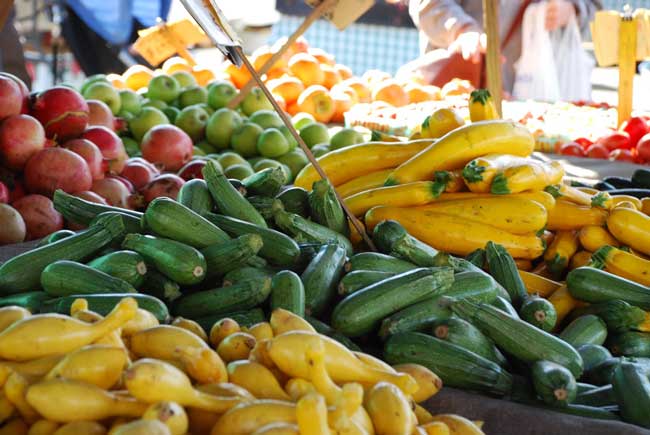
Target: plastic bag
(573, 64)
(536, 75)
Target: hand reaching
(470, 45)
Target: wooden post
(493, 51)
(626, 65)
(287, 122)
(172, 39)
(315, 14)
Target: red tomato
(636, 127)
(616, 140)
(643, 148)
(584, 142)
(622, 156)
(597, 151)
(572, 149)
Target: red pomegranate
(113, 191)
(57, 168)
(110, 145)
(4, 193)
(11, 97)
(166, 185)
(62, 111)
(24, 90)
(91, 154)
(91, 196)
(192, 169)
(100, 114)
(138, 174)
(39, 215)
(168, 146)
(21, 136)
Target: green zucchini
(418, 317)
(82, 212)
(228, 199)
(641, 179)
(617, 314)
(630, 343)
(505, 306)
(504, 270)
(363, 311)
(474, 286)
(126, 265)
(277, 248)
(131, 225)
(457, 367)
(462, 265)
(267, 182)
(23, 272)
(593, 285)
(170, 219)
(392, 238)
(30, 300)
(243, 274)
(464, 334)
(321, 277)
(358, 279)
(288, 292)
(265, 205)
(603, 373)
(554, 384)
(176, 260)
(243, 318)
(378, 262)
(237, 297)
(538, 312)
(55, 236)
(325, 329)
(194, 194)
(224, 257)
(592, 355)
(294, 200)
(476, 257)
(588, 329)
(159, 286)
(518, 338)
(601, 396)
(104, 303)
(64, 277)
(309, 231)
(325, 208)
(632, 391)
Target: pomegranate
(572, 149)
(24, 90)
(49, 143)
(163, 185)
(39, 215)
(622, 155)
(12, 225)
(138, 174)
(110, 145)
(643, 148)
(91, 196)
(11, 98)
(192, 169)
(62, 111)
(124, 181)
(597, 151)
(57, 168)
(113, 191)
(100, 114)
(21, 136)
(4, 193)
(91, 154)
(17, 191)
(616, 140)
(168, 146)
(145, 162)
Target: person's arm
(442, 21)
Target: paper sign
(154, 43)
(344, 12)
(213, 22)
(605, 30)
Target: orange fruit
(322, 56)
(360, 87)
(317, 101)
(342, 103)
(292, 108)
(441, 122)
(375, 76)
(276, 73)
(262, 55)
(332, 76)
(418, 93)
(137, 76)
(343, 70)
(345, 89)
(238, 76)
(391, 92)
(287, 87)
(116, 80)
(457, 87)
(174, 64)
(203, 75)
(307, 69)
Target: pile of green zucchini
(235, 249)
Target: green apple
(93, 79)
(314, 134)
(171, 113)
(302, 119)
(206, 147)
(196, 151)
(238, 171)
(295, 160)
(131, 102)
(320, 150)
(344, 137)
(131, 146)
(272, 143)
(207, 108)
(105, 92)
(164, 88)
(220, 127)
(145, 120)
(192, 95)
(293, 143)
(254, 101)
(184, 79)
(230, 158)
(192, 120)
(158, 104)
(266, 119)
(220, 93)
(244, 139)
(270, 163)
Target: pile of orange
(138, 76)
